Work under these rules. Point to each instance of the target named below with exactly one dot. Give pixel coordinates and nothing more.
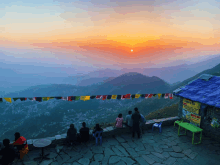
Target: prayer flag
(58, 98)
(64, 98)
(150, 95)
(154, 95)
(82, 97)
(92, 97)
(15, 99)
(73, 98)
(38, 99)
(166, 95)
(171, 96)
(77, 98)
(98, 96)
(163, 95)
(25, 98)
(143, 96)
(137, 96)
(127, 96)
(104, 97)
(1, 100)
(133, 96)
(109, 97)
(70, 98)
(119, 97)
(30, 98)
(146, 96)
(87, 98)
(8, 99)
(159, 94)
(114, 96)
(48, 98)
(44, 98)
(22, 99)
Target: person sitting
(129, 121)
(71, 134)
(21, 144)
(8, 153)
(84, 133)
(97, 128)
(119, 121)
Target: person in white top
(129, 121)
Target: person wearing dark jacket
(97, 128)
(84, 133)
(136, 117)
(71, 134)
(8, 153)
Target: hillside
(132, 83)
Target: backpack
(143, 119)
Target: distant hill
(213, 71)
(132, 83)
(92, 81)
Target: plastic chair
(99, 137)
(158, 126)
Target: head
(84, 124)
(17, 135)
(97, 126)
(129, 112)
(136, 109)
(6, 142)
(71, 125)
(120, 115)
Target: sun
(131, 50)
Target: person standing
(142, 123)
(119, 121)
(136, 117)
(129, 121)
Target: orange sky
(102, 32)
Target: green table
(192, 128)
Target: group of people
(134, 121)
(83, 136)
(9, 153)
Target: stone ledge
(108, 131)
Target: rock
(132, 152)
(192, 155)
(97, 149)
(125, 145)
(84, 161)
(120, 163)
(46, 162)
(176, 155)
(170, 161)
(141, 161)
(127, 160)
(29, 163)
(98, 157)
(120, 148)
(94, 163)
(88, 155)
(148, 159)
(120, 140)
(177, 149)
(158, 155)
(114, 159)
(187, 152)
(109, 152)
(168, 149)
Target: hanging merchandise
(215, 123)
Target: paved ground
(152, 148)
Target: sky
(82, 36)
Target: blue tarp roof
(202, 90)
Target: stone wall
(107, 132)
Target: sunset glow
(97, 33)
